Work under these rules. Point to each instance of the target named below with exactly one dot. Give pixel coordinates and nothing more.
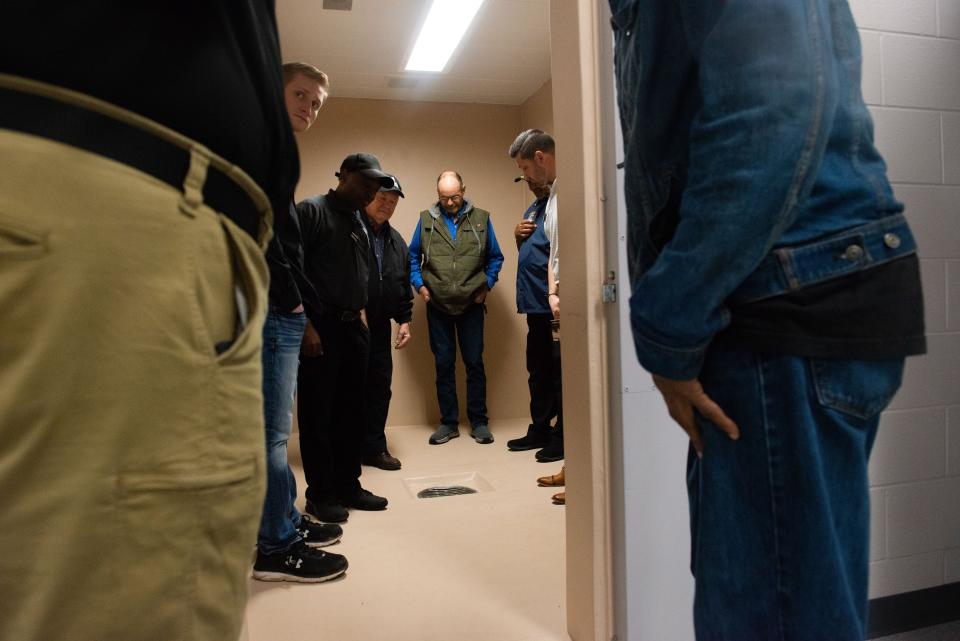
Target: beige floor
(481, 567)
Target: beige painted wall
(416, 141)
(537, 111)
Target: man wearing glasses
(454, 262)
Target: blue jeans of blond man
(282, 333)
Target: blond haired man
(287, 543)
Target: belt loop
(196, 177)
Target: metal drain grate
(444, 490)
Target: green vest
(453, 269)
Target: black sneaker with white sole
(318, 535)
(300, 564)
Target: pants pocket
(183, 551)
(858, 388)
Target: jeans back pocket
(859, 388)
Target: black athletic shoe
(318, 535)
(365, 500)
(534, 439)
(327, 512)
(300, 564)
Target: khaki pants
(131, 454)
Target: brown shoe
(559, 498)
(554, 480)
(383, 460)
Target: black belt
(104, 136)
(342, 315)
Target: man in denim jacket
(776, 293)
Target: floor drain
(444, 490)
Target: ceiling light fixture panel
(442, 31)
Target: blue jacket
(750, 164)
(532, 264)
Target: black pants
(377, 393)
(543, 365)
(330, 410)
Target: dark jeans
(446, 331)
(377, 394)
(780, 518)
(330, 410)
(543, 366)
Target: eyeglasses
(451, 199)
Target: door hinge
(609, 290)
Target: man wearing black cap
(336, 343)
(389, 296)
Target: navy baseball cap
(395, 186)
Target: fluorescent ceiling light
(441, 33)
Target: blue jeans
(445, 332)
(282, 333)
(780, 518)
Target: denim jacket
(750, 164)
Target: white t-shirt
(550, 229)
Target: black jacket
(289, 286)
(390, 294)
(336, 253)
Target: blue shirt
(377, 237)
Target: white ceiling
(503, 58)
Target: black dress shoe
(383, 460)
(327, 511)
(365, 500)
(552, 452)
(534, 439)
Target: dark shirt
(869, 315)
(336, 252)
(210, 70)
(389, 293)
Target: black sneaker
(534, 439)
(300, 564)
(318, 535)
(327, 511)
(365, 500)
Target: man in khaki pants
(132, 297)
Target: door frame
(582, 99)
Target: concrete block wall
(911, 81)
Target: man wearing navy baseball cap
(389, 297)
